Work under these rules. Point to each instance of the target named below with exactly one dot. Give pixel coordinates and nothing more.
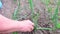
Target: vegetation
(34, 16)
(16, 13)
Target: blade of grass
(15, 14)
(55, 18)
(35, 20)
(34, 17)
(16, 11)
(31, 6)
(44, 28)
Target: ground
(9, 6)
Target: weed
(34, 17)
(16, 13)
(55, 18)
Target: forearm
(6, 24)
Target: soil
(9, 6)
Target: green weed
(55, 18)
(34, 17)
(16, 13)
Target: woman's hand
(25, 26)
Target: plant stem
(55, 18)
(44, 28)
(31, 5)
(16, 11)
(15, 14)
(34, 17)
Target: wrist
(16, 25)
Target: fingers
(30, 22)
(31, 28)
(28, 26)
(31, 25)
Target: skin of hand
(8, 25)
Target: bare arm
(8, 25)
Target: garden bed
(24, 12)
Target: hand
(25, 26)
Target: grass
(35, 17)
(16, 13)
(44, 29)
(55, 15)
(55, 18)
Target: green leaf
(14, 33)
(31, 5)
(58, 25)
(35, 20)
(34, 16)
(15, 14)
(55, 18)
